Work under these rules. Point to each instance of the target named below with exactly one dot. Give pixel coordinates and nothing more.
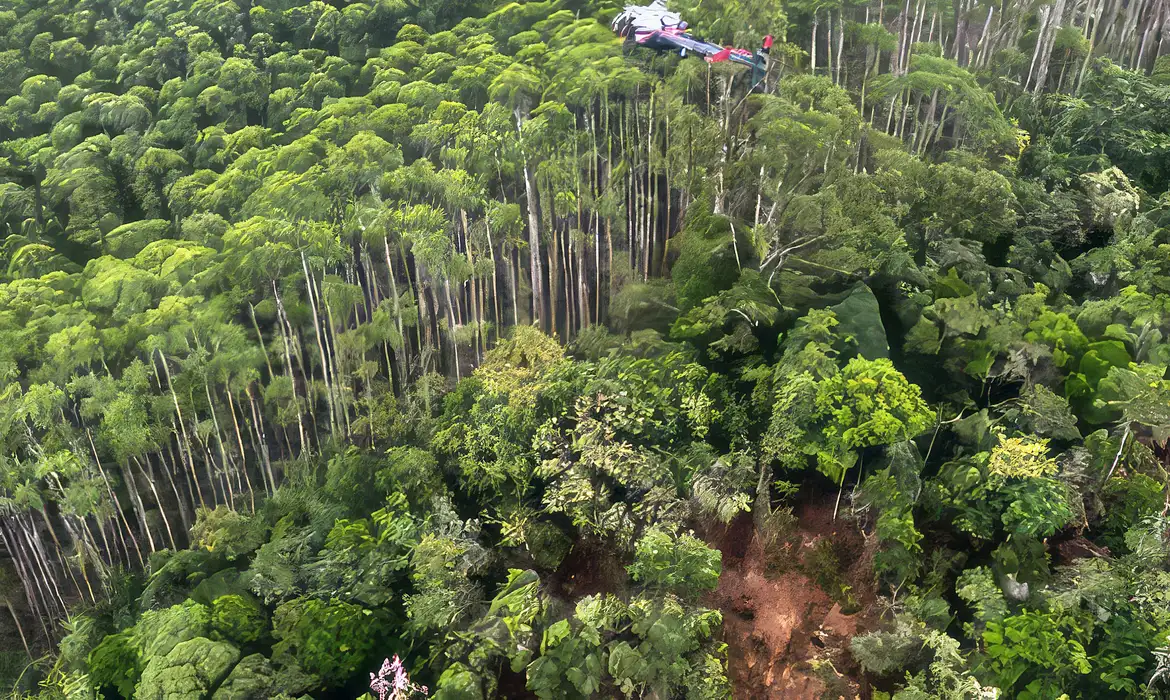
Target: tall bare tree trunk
(812, 51)
(1057, 17)
(282, 323)
(162, 507)
(309, 288)
(532, 203)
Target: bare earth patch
(776, 624)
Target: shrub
(115, 663)
(330, 639)
(238, 618)
(225, 531)
(681, 564)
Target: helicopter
(656, 27)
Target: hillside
(469, 334)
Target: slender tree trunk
(553, 275)
(19, 628)
(282, 322)
(27, 531)
(258, 426)
(1046, 55)
(136, 499)
(451, 321)
(85, 546)
(187, 474)
(309, 285)
(497, 317)
(126, 530)
(240, 442)
(812, 51)
(162, 507)
(260, 337)
(184, 516)
(840, 46)
(532, 203)
(1045, 12)
(27, 579)
(182, 430)
(64, 562)
(218, 435)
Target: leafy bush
(238, 619)
(413, 472)
(669, 639)
(679, 564)
(822, 564)
(365, 564)
(1128, 500)
(116, 663)
(1034, 649)
(224, 531)
(175, 574)
(886, 652)
(516, 366)
(330, 639)
(85, 633)
(547, 543)
(349, 479)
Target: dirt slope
(776, 623)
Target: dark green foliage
(85, 633)
(1127, 501)
(349, 478)
(116, 663)
(365, 562)
(329, 639)
(412, 472)
(706, 262)
(548, 544)
(861, 320)
(175, 574)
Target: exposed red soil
(775, 624)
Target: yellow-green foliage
(1020, 457)
(514, 367)
(225, 531)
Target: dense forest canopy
(463, 334)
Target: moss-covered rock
(189, 672)
(159, 631)
(251, 679)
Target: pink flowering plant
(393, 683)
